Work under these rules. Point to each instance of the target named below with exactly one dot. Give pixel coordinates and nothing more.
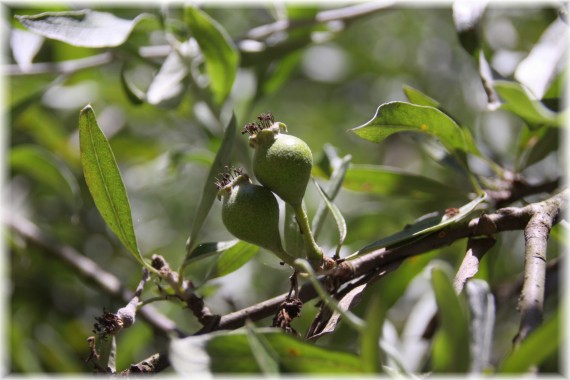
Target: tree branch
(90, 271)
(536, 232)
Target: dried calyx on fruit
(283, 163)
(250, 212)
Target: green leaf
(428, 224)
(539, 345)
(167, 89)
(205, 250)
(293, 239)
(370, 338)
(84, 28)
(337, 215)
(104, 181)
(396, 117)
(220, 54)
(232, 259)
(333, 187)
(264, 355)
(518, 101)
(451, 345)
(535, 71)
(482, 307)
(209, 192)
(46, 168)
(394, 182)
(222, 352)
(419, 98)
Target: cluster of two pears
(282, 164)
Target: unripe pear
(251, 213)
(281, 162)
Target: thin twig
(90, 271)
(345, 14)
(64, 67)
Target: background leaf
(541, 343)
(84, 28)
(451, 344)
(209, 191)
(340, 166)
(337, 215)
(219, 52)
(539, 69)
(482, 307)
(294, 243)
(232, 259)
(390, 181)
(517, 101)
(46, 168)
(105, 182)
(230, 353)
(208, 249)
(396, 117)
(166, 88)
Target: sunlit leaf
(466, 17)
(396, 117)
(518, 101)
(332, 189)
(337, 215)
(451, 345)
(25, 45)
(209, 191)
(166, 88)
(394, 182)
(220, 353)
(85, 28)
(482, 307)
(233, 258)
(205, 250)
(540, 344)
(46, 168)
(417, 97)
(105, 182)
(539, 69)
(220, 54)
(428, 224)
(135, 95)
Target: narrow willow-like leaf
(166, 89)
(264, 355)
(105, 182)
(482, 307)
(396, 117)
(339, 219)
(517, 101)
(46, 168)
(333, 187)
(394, 182)
(370, 338)
(219, 51)
(232, 259)
(293, 239)
(205, 250)
(223, 353)
(415, 96)
(535, 71)
(428, 224)
(541, 343)
(209, 192)
(451, 346)
(84, 28)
